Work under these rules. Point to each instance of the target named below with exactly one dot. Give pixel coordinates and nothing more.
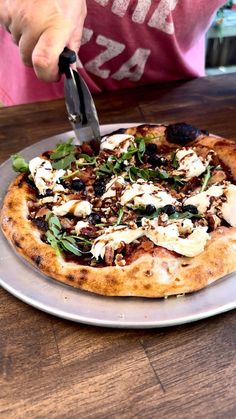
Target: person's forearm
(42, 28)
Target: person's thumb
(46, 53)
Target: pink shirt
(125, 43)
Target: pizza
(149, 212)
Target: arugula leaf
(120, 216)
(19, 164)
(63, 155)
(69, 243)
(88, 160)
(53, 242)
(175, 162)
(54, 224)
(206, 178)
(180, 215)
(70, 175)
(61, 241)
(155, 214)
(141, 149)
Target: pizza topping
(229, 207)
(94, 218)
(202, 200)
(169, 209)
(63, 155)
(190, 208)
(145, 193)
(78, 184)
(44, 176)
(169, 237)
(190, 164)
(157, 161)
(114, 237)
(99, 187)
(150, 209)
(181, 133)
(116, 183)
(80, 225)
(74, 206)
(120, 141)
(19, 164)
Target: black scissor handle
(66, 58)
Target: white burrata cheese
(113, 237)
(168, 237)
(80, 225)
(74, 206)
(43, 174)
(228, 208)
(164, 236)
(123, 141)
(145, 194)
(190, 164)
(202, 199)
(110, 186)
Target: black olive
(181, 133)
(169, 209)
(94, 218)
(78, 184)
(151, 148)
(49, 192)
(156, 160)
(150, 209)
(99, 187)
(190, 208)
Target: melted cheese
(123, 141)
(43, 174)
(168, 237)
(164, 236)
(228, 208)
(110, 186)
(113, 237)
(80, 225)
(203, 199)
(145, 194)
(190, 164)
(74, 206)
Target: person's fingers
(26, 45)
(46, 53)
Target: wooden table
(51, 368)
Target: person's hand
(42, 28)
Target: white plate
(30, 286)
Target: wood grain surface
(51, 368)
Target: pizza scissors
(80, 106)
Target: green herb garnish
(19, 164)
(206, 178)
(89, 161)
(175, 162)
(63, 155)
(120, 216)
(61, 241)
(181, 215)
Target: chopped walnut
(109, 255)
(119, 260)
(218, 176)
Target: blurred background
(221, 41)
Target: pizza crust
(157, 274)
